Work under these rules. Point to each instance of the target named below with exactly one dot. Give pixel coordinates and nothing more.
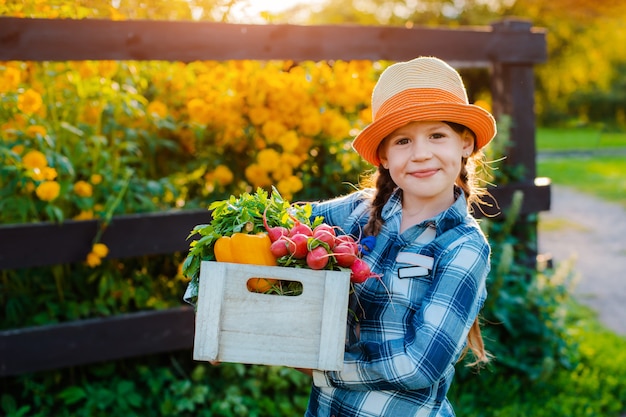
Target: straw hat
(422, 89)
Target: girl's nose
(420, 151)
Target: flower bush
(85, 140)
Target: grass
(568, 139)
(603, 175)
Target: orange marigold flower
(49, 173)
(10, 79)
(29, 102)
(157, 108)
(95, 179)
(269, 159)
(107, 69)
(34, 159)
(257, 176)
(93, 260)
(100, 249)
(33, 131)
(48, 190)
(223, 175)
(199, 111)
(83, 189)
(84, 215)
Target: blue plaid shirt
(414, 320)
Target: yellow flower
(223, 175)
(10, 79)
(83, 189)
(258, 115)
(48, 190)
(199, 111)
(257, 176)
(45, 173)
(95, 179)
(49, 173)
(484, 104)
(29, 102)
(157, 108)
(34, 159)
(107, 69)
(91, 113)
(84, 215)
(93, 260)
(86, 69)
(288, 186)
(268, 159)
(289, 141)
(311, 123)
(33, 131)
(18, 149)
(100, 249)
(272, 130)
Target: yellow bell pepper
(241, 248)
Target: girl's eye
(437, 135)
(402, 141)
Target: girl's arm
(434, 337)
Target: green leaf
(72, 395)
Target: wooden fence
(509, 48)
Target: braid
(384, 188)
(468, 182)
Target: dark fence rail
(60, 40)
(509, 48)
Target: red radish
(346, 239)
(317, 258)
(300, 228)
(360, 271)
(326, 227)
(279, 247)
(344, 254)
(274, 233)
(297, 245)
(325, 236)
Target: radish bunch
(317, 248)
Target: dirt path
(592, 233)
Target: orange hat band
(416, 96)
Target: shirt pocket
(411, 285)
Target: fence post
(512, 89)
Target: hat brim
(479, 120)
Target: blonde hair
(467, 180)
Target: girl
(413, 323)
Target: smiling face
(424, 159)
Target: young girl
(413, 323)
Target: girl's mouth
(425, 173)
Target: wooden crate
(303, 331)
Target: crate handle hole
(273, 286)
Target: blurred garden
(85, 140)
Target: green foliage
(159, 386)
(548, 362)
(38, 296)
(593, 386)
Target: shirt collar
(447, 219)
